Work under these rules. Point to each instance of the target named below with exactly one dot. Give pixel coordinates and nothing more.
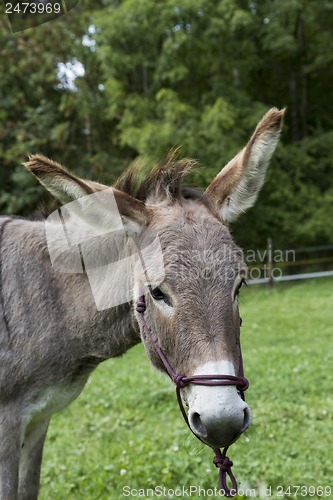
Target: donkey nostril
(198, 425)
(247, 419)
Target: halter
(221, 461)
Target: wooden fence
(274, 265)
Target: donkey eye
(243, 282)
(157, 294)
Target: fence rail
(270, 270)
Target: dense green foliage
(126, 428)
(193, 73)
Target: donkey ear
(67, 187)
(236, 187)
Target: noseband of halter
(220, 460)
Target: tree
(196, 74)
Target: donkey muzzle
(217, 415)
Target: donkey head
(194, 310)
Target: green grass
(126, 428)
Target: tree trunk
(89, 135)
(293, 107)
(299, 31)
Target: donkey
(52, 334)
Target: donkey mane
(164, 181)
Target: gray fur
(51, 336)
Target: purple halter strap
(220, 460)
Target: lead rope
(221, 461)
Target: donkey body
(52, 335)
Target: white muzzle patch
(217, 414)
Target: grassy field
(125, 430)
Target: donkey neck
(52, 308)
